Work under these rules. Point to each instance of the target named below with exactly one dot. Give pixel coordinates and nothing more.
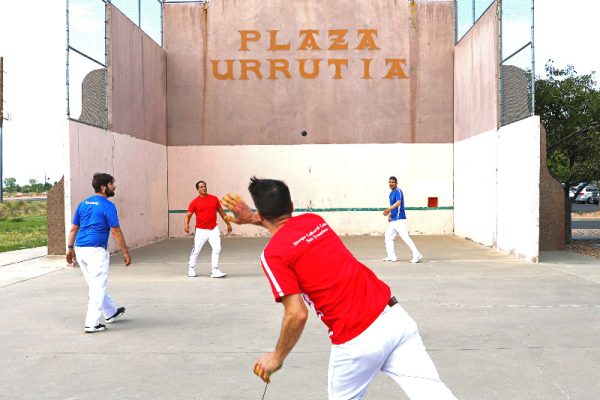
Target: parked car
(595, 198)
(574, 189)
(588, 195)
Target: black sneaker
(118, 314)
(97, 328)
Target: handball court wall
(370, 86)
(501, 182)
(133, 149)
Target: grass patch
(23, 225)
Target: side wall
(496, 171)
(133, 149)
(140, 171)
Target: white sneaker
(416, 259)
(389, 259)
(217, 273)
(192, 272)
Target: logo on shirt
(95, 203)
(313, 235)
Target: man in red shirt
(305, 261)
(205, 206)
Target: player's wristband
(70, 247)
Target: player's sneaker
(191, 272)
(118, 314)
(389, 259)
(97, 328)
(416, 259)
(217, 273)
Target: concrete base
(496, 327)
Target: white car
(588, 194)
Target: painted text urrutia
(314, 42)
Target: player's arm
(186, 222)
(393, 206)
(71, 243)
(224, 217)
(294, 319)
(120, 239)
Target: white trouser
(94, 264)
(398, 227)
(214, 239)
(391, 344)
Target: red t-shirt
(306, 256)
(205, 209)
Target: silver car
(588, 194)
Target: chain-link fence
(87, 99)
(517, 77)
(515, 59)
(467, 13)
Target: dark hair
(198, 184)
(393, 178)
(271, 198)
(101, 179)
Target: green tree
(569, 108)
(10, 184)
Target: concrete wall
(552, 205)
(140, 171)
(347, 184)
(518, 188)
(496, 171)
(137, 81)
(475, 189)
(497, 187)
(224, 129)
(412, 105)
(476, 79)
(133, 150)
(55, 209)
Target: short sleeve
(282, 279)
(111, 215)
(399, 195)
(191, 207)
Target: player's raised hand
(243, 213)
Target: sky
(33, 43)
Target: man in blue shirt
(397, 219)
(94, 219)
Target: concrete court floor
(497, 328)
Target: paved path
(497, 328)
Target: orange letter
(367, 42)
(315, 71)
(338, 42)
(338, 62)
(274, 46)
(309, 40)
(250, 65)
(284, 66)
(367, 68)
(396, 68)
(226, 75)
(248, 36)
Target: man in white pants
(397, 224)
(305, 262)
(205, 206)
(94, 219)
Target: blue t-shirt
(397, 213)
(95, 216)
